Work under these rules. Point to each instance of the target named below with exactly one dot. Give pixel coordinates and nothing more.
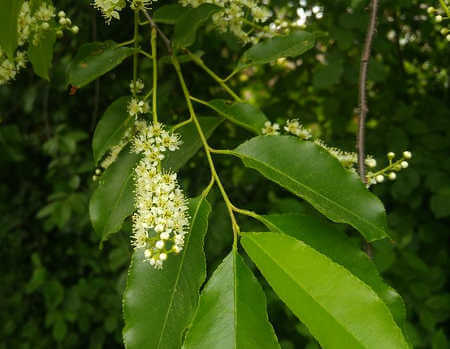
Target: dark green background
(58, 290)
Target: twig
(163, 36)
(363, 109)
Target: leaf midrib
(361, 219)
(172, 295)
(299, 286)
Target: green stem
(220, 81)
(445, 7)
(155, 76)
(135, 53)
(142, 52)
(221, 151)
(206, 147)
(387, 168)
(147, 96)
(125, 43)
(181, 124)
(254, 25)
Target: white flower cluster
(440, 16)
(233, 16)
(115, 151)
(110, 8)
(348, 160)
(31, 27)
(390, 170)
(137, 107)
(136, 87)
(161, 219)
(293, 127)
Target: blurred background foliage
(60, 290)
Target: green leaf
(231, 311)
(95, 59)
(310, 172)
(187, 25)
(159, 304)
(169, 14)
(8, 26)
(335, 244)
(113, 200)
(291, 45)
(191, 142)
(111, 127)
(41, 56)
(244, 114)
(339, 310)
(440, 203)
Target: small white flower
(159, 245)
(270, 129)
(379, 178)
(391, 155)
(163, 256)
(370, 162)
(164, 236)
(404, 164)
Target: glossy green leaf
(41, 56)
(246, 115)
(191, 142)
(95, 59)
(310, 172)
(337, 246)
(169, 14)
(9, 12)
(231, 311)
(339, 310)
(111, 127)
(187, 25)
(291, 45)
(113, 200)
(159, 304)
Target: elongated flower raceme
(161, 221)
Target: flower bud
(370, 162)
(147, 253)
(392, 176)
(162, 256)
(164, 236)
(390, 155)
(404, 164)
(45, 25)
(380, 178)
(61, 14)
(75, 29)
(448, 37)
(98, 171)
(62, 21)
(159, 244)
(444, 31)
(407, 155)
(94, 178)
(431, 10)
(59, 33)
(68, 21)
(438, 18)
